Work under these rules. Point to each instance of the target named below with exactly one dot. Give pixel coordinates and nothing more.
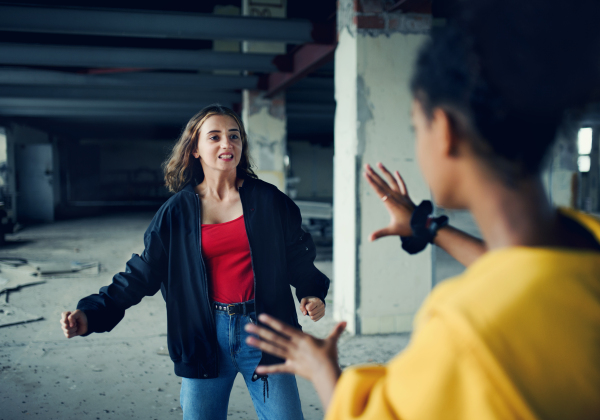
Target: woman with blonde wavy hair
(222, 250)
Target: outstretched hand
(395, 197)
(312, 358)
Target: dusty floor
(122, 374)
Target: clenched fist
(74, 323)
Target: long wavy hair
(182, 167)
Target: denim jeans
(276, 398)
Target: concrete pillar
(265, 118)
(378, 287)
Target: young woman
(516, 335)
(222, 250)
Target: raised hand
(312, 358)
(396, 200)
(312, 306)
(74, 323)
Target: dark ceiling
(92, 73)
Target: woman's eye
(234, 137)
(214, 138)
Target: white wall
(382, 284)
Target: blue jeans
(209, 398)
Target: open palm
(395, 197)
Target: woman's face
(219, 144)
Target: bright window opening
(584, 141)
(584, 163)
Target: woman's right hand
(74, 323)
(396, 200)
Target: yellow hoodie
(516, 336)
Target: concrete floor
(122, 374)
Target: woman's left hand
(313, 306)
(312, 358)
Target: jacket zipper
(215, 344)
(244, 208)
(255, 377)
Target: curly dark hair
(181, 167)
(511, 68)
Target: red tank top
(226, 253)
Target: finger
(337, 331)
(377, 187)
(315, 318)
(280, 368)
(401, 183)
(63, 317)
(279, 326)
(73, 319)
(268, 335)
(317, 308)
(267, 347)
(312, 305)
(393, 182)
(303, 306)
(386, 231)
(317, 313)
(376, 178)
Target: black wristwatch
(424, 228)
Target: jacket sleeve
(143, 276)
(300, 255)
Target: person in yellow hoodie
(517, 335)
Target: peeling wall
(266, 126)
(394, 283)
(383, 286)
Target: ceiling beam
(142, 58)
(25, 76)
(120, 93)
(153, 24)
(71, 107)
(305, 60)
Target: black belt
(243, 308)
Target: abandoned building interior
(93, 96)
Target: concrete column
(265, 118)
(378, 287)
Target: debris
(54, 268)
(11, 315)
(13, 261)
(15, 277)
(163, 351)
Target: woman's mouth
(226, 157)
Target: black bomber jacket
(282, 253)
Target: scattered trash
(54, 268)
(12, 261)
(14, 277)
(163, 351)
(11, 315)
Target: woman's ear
(445, 132)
